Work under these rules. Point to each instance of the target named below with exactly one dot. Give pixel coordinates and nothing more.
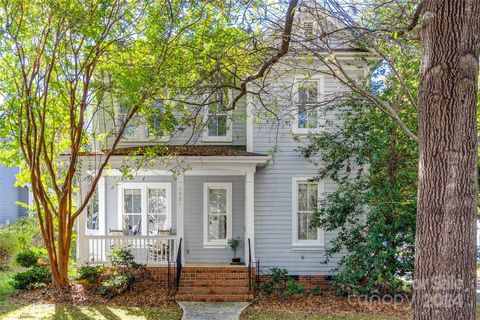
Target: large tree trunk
(444, 286)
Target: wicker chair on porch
(158, 249)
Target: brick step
(213, 290)
(214, 282)
(214, 297)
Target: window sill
(217, 139)
(210, 245)
(308, 246)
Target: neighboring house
(10, 196)
(234, 185)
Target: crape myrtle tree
(63, 63)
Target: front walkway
(212, 310)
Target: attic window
(308, 30)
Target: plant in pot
(233, 244)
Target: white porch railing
(145, 249)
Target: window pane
(217, 201)
(217, 227)
(312, 196)
(222, 126)
(157, 210)
(212, 126)
(302, 226)
(132, 201)
(132, 205)
(308, 92)
(92, 212)
(302, 197)
(132, 224)
(217, 214)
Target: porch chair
(159, 249)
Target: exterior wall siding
(273, 184)
(9, 209)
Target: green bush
(123, 259)
(316, 291)
(21, 235)
(33, 277)
(29, 257)
(281, 284)
(90, 273)
(116, 285)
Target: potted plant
(233, 244)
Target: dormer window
(217, 119)
(308, 117)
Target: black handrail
(249, 266)
(179, 264)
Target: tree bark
(444, 286)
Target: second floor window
(308, 116)
(218, 126)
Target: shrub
(89, 273)
(123, 259)
(33, 277)
(29, 257)
(21, 235)
(316, 291)
(281, 284)
(116, 285)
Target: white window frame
(320, 79)
(144, 186)
(228, 136)
(217, 185)
(101, 210)
(297, 244)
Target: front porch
(163, 217)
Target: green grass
(5, 286)
(275, 315)
(11, 310)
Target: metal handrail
(249, 266)
(179, 264)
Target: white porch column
(249, 214)
(81, 229)
(180, 212)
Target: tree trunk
(444, 286)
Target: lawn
(11, 310)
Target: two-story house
(244, 179)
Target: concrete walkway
(212, 310)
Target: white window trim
(228, 137)
(144, 186)
(217, 185)
(321, 91)
(305, 244)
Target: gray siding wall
(194, 250)
(9, 209)
(273, 185)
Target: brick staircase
(214, 283)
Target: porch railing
(145, 249)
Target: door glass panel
(217, 214)
(157, 211)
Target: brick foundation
(310, 282)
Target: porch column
(180, 212)
(249, 215)
(81, 227)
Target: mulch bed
(145, 293)
(329, 304)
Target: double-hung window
(305, 204)
(218, 123)
(145, 208)
(217, 208)
(308, 116)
